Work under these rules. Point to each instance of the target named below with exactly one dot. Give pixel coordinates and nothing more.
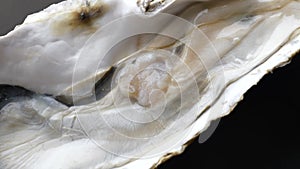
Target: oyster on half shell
(126, 84)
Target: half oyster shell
(167, 82)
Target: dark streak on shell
(82, 19)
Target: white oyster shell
(52, 51)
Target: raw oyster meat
(140, 79)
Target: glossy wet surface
(262, 132)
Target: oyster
(140, 79)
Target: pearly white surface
(41, 55)
(238, 43)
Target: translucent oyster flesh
(163, 74)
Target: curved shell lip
(181, 149)
(282, 57)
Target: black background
(262, 132)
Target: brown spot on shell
(81, 19)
